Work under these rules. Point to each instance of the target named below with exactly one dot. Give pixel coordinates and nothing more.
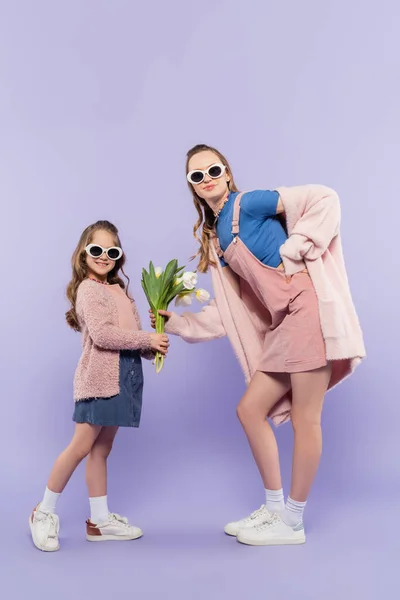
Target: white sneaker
(116, 528)
(272, 533)
(258, 517)
(44, 529)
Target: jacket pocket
(331, 316)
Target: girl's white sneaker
(117, 528)
(44, 528)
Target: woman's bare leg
(308, 396)
(262, 394)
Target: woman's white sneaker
(117, 528)
(258, 517)
(44, 528)
(272, 533)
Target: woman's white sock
(275, 501)
(293, 513)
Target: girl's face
(100, 264)
(213, 185)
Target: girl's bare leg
(81, 444)
(96, 463)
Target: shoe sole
(273, 542)
(113, 538)
(38, 546)
(231, 532)
(234, 532)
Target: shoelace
(49, 521)
(275, 518)
(119, 519)
(257, 513)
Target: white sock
(98, 510)
(293, 513)
(49, 502)
(275, 501)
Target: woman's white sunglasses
(197, 176)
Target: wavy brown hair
(79, 268)
(206, 219)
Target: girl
(107, 387)
(282, 297)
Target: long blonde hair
(79, 268)
(206, 218)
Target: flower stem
(160, 325)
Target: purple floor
(351, 553)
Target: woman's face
(211, 188)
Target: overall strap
(236, 214)
(215, 241)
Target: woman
(282, 297)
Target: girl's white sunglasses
(197, 176)
(95, 251)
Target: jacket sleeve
(147, 354)
(203, 326)
(314, 230)
(96, 312)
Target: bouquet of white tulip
(162, 286)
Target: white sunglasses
(197, 176)
(95, 251)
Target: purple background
(99, 102)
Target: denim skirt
(122, 410)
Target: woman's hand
(289, 277)
(280, 209)
(159, 342)
(163, 313)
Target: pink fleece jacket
(313, 222)
(97, 374)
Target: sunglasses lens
(197, 177)
(96, 251)
(215, 171)
(113, 253)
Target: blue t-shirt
(260, 228)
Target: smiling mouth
(101, 264)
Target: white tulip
(202, 295)
(178, 280)
(189, 280)
(158, 271)
(183, 300)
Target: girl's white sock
(98, 510)
(49, 502)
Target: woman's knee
(306, 421)
(247, 413)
